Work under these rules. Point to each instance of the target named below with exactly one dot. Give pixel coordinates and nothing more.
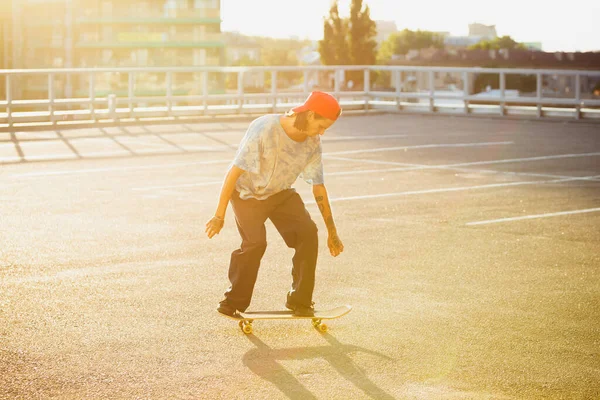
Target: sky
(565, 26)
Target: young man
(275, 151)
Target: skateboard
(245, 319)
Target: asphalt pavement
(472, 263)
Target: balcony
(154, 16)
(196, 13)
(149, 45)
(93, 40)
(149, 20)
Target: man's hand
(335, 244)
(214, 226)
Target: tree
(285, 57)
(400, 43)
(361, 33)
(504, 42)
(349, 41)
(334, 48)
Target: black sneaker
(301, 311)
(227, 309)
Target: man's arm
(333, 241)
(215, 224)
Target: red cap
(322, 103)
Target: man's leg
(250, 217)
(295, 225)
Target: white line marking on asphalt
(414, 167)
(422, 146)
(494, 221)
(140, 167)
(450, 167)
(86, 272)
(92, 170)
(373, 137)
(446, 190)
(178, 186)
(367, 161)
(408, 167)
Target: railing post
(241, 91)
(112, 106)
(51, 97)
(431, 92)
(539, 94)
(130, 92)
(466, 91)
(337, 83)
(205, 91)
(367, 79)
(306, 87)
(9, 101)
(502, 93)
(398, 77)
(92, 93)
(577, 96)
(274, 90)
(169, 93)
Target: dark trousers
(289, 215)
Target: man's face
(317, 126)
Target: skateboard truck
(245, 320)
(246, 325)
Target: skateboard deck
(245, 319)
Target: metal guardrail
(394, 97)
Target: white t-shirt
(272, 161)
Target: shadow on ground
(114, 135)
(263, 361)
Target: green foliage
(361, 39)
(334, 49)
(400, 43)
(274, 56)
(273, 52)
(361, 33)
(504, 42)
(282, 57)
(245, 61)
(349, 41)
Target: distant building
(6, 35)
(555, 85)
(245, 51)
(486, 32)
(384, 30)
(457, 42)
(477, 33)
(115, 33)
(533, 45)
(240, 47)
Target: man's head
(319, 112)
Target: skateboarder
(274, 152)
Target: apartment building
(116, 33)
(486, 32)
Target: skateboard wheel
(247, 329)
(322, 328)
